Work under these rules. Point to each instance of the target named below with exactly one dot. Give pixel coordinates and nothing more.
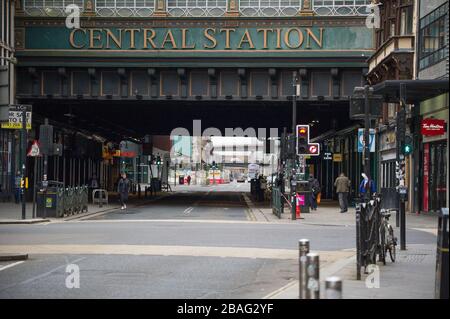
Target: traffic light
(407, 145)
(158, 160)
(304, 147)
(302, 139)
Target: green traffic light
(407, 149)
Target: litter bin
(156, 185)
(303, 196)
(181, 179)
(47, 203)
(441, 284)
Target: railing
(269, 8)
(52, 8)
(199, 8)
(277, 202)
(196, 8)
(341, 7)
(124, 8)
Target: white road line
(188, 210)
(11, 265)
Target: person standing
(123, 187)
(188, 180)
(17, 186)
(342, 184)
(366, 187)
(315, 190)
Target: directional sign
(15, 117)
(314, 149)
(34, 149)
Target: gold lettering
(278, 38)
(227, 36)
(183, 40)
(248, 40)
(169, 38)
(132, 37)
(287, 38)
(112, 36)
(310, 34)
(150, 38)
(211, 38)
(264, 31)
(93, 38)
(72, 39)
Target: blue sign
(361, 140)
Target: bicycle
(388, 241)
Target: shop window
(110, 83)
(321, 83)
(197, 8)
(287, 83)
(52, 83)
(269, 8)
(260, 83)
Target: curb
(23, 221)
(108, 210)
(13, 257)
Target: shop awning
(416, 90)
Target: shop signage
(337, 157)
(361, 140)
(265, 38)
(432, 127)
(15, 117)
(34, 149)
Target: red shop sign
(432, 127)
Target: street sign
(34, 149)
(337, 157)
(15, 117)
(327, 156)
(361, 140)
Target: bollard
(312, 276)
(303, 250)
(333, 288)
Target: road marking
(42, 275)
(11, 265)
(433, 231)
(188, 210)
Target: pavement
(201, 242)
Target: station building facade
(151, 54)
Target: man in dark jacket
(123, 187)
(315, 190)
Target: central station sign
(199, 38)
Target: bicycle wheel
(392, 245)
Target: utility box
(441, 284)
(303, 195)
(47, 203)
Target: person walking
(188, 180)
(123, 187)
(315, 190)
(342, 184)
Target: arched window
(125, 8)
(52, 8)
(341, 7)
(197, 8)
(269, 8)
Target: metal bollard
(303, 250)
(333, 288)
(312, 276)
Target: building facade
(146, 55)
(433, 63)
